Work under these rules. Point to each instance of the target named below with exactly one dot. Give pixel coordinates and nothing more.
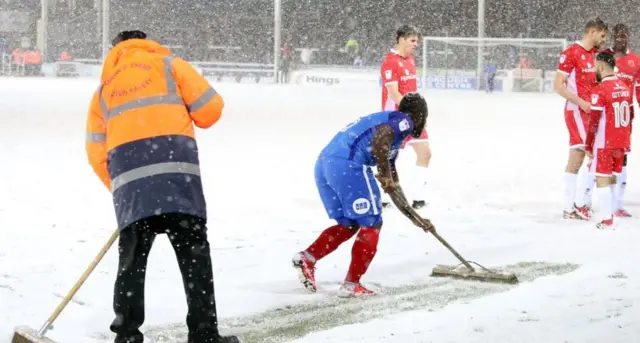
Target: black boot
(418, 204)
(132, 337)
(212, 339)
(228, 339)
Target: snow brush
(464, 270)
(25, 334)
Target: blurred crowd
(242, 30)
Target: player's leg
(332, 237)
(420, 175)
(605, 163)
(621, 185)
(353, 199)
(584, 190)
(360, 196)
(577, 134)
(385, 199)
(588, 182)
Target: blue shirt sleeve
(402, 125)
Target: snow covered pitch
(497, 189)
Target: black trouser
(188, 236)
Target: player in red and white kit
(574, 80)
(609, 134)
(628, 71)
(398, 72)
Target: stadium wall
(455, 79)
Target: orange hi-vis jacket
(140, 135)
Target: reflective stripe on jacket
(140, 135)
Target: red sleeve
(566, 63)
(636, 89)
(597, 107)
(389, 72)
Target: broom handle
(453, 251)
(409, 210)
(79, 283)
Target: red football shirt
(579, 63)
(610, 117)
(400, 70)
(628, 69)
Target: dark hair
(126, 35)
(413, 103)
(607, 57)
(620, 28)
(405, 31)
(415, 106)
(596, 23)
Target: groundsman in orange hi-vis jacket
(140, 142)
(140, 135)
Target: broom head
(25, 334)
(483, 274)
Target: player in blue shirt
(490, 75)
(349, 192)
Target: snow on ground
(496, 191)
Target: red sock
(328, 241)
(364, 249)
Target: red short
(605, 162)
(576, 121)
(424, 137)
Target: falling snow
(496, 174)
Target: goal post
(520, 64)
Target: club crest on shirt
(403, 125)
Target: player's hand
(585, 105)
(425, 224)
(387, 183)
(589, 153)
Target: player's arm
(637, 91)
(565, 67)
(394, 93)
(560, 86)
(597, 107)
(390, 76)
(396, 178)
(203, 102)
(381, 145)
(380, 148)
(394, 171)
(95, 143)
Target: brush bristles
(464, 273)
(19, 338)
(23, 334)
